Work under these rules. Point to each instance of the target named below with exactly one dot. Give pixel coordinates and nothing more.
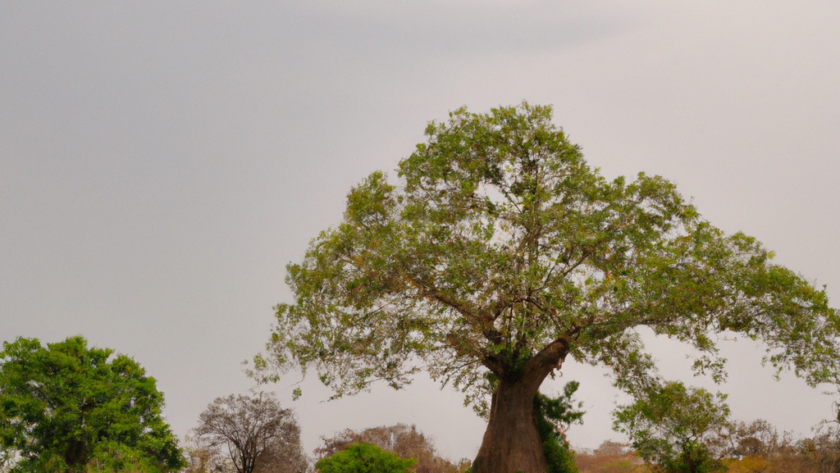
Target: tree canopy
(65, 406)
(498, 252)
(500, 243)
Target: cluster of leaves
(364, 458)
(403, 440)
(553, 417)
(676, 428)
(67, 407)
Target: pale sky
(161, 162)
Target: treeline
(252, 434)
(69, 408)
(756, 447)
(66, 407)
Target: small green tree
(66, 407)
(364, 458)
(403, 440)
(675, 427)
(553, 417)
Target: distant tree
(756, 439)
(676, 428)
(364, 458)
(403, 440)
(501, 251)
(253, 432)
(758, 447)
(610, 457)
(66, 407)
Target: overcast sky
(161, 162)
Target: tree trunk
(511, 442)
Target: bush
(364, 458)
(553, 417)
(404, 440)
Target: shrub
(364, 458)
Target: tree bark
(511, 442)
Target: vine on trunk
(553, 417)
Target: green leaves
(364, 458)
(675, 427)
(66, 405)
(498, 242)
(553, 417)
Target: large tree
(499, 252)
(66, 407)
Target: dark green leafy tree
(364, 458)
(499, 250)
(553, 417)
(66, 407)
(676, 428)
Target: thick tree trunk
(511, 443)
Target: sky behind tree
(161, 162)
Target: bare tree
(254, 433)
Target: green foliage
(116, 457)
(676, 427)
(364, 458)
(501, 250)
(403, 440)
(68, 407)
(558, 456)
(554, 415)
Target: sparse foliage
(201, 459)
(501, 251)
(610, 457)
(756, 439)
(253, 433)
(765, 450)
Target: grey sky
(160, 162)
